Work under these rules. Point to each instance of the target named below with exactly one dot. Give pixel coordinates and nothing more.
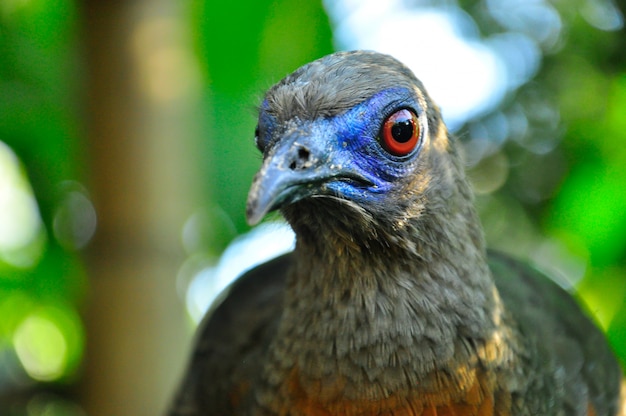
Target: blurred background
(126, 152)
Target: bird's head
(350, 141)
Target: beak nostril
(302, 159)
(303, 154)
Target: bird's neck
(389, 310)
(425, 285)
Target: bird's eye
(400, 132)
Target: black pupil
(402, 130)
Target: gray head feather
(329, 86)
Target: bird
(390, 303)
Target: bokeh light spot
(41, 348)
(602, 14)
(49, 342)
(536, 18)
(47, 404)
(490, 174)
(75, 218)
(20, 223)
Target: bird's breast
(296, 396)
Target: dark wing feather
(570, 352)
(231, 340)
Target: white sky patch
(464, 75)
(262, 243)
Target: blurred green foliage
(42, 283)
(588, 80)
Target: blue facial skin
(350, 143)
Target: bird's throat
(362, 315)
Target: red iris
(400, 132)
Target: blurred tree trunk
(140, 91)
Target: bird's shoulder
(564, 348)
(259, 291)
(231, 340)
